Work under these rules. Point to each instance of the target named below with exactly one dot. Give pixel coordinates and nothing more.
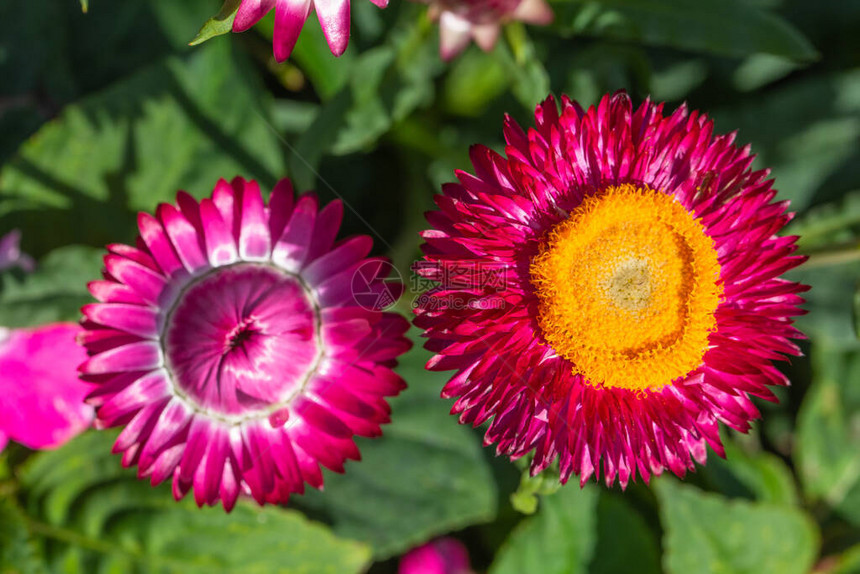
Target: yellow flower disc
(628, 286)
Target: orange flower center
(628, 286)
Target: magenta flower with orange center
(640, 302)
(229, 344)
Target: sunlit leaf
(220, 23)
(727, 27)
(558, 539)
(706, 533)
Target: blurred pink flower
(41, 398)
(10, 252)
(290, 16)
(461, 21)
(442, 556)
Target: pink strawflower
(461, 21)
(41, 399)
(640, 297)
(442, 556)
(10, 252)
(230, 347)
(290, 16)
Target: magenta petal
(140, 356)
(341, 257)
(183, 237)
(134, 319)
(290, 16)
(443, 556)
(220, 245)
(43, 399)
(334, 19)
(250, 12)
(254, 239)
(292, 247)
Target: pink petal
(455, 33)
(290, 16)
(43, 399)
(255, 243)
(334, 20)
(250, 12)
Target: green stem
(835, 256)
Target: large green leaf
(425, 476)
(364, 100)
(54, 292)
(179, 124)
(92, 515)
(727, 27)
(828, 444)
(759, 475)
(18, 551)
(706, 533)
(807, 152)
(558, 539)
(625, 542)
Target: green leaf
(18, 551)
(764, 475)
(830, 224)
(625, 542)
(806, 152)
(559, 539)
(220, 23)
(528, 76)
(54, 292)
(425, 476)
(473, 82)
(846, 563)
(710, 534)
(525, 499)
(85, 5)
(855, 312)
(827, 449)
(385, 85)
(93, 515)
(180, 124)
(734, 28)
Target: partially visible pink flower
(41, 398)
(461, 21)
(290, 16)
(10, 252)
(442, 556)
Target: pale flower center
(242, 340)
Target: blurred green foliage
(108, 113)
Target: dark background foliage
(108, 113)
